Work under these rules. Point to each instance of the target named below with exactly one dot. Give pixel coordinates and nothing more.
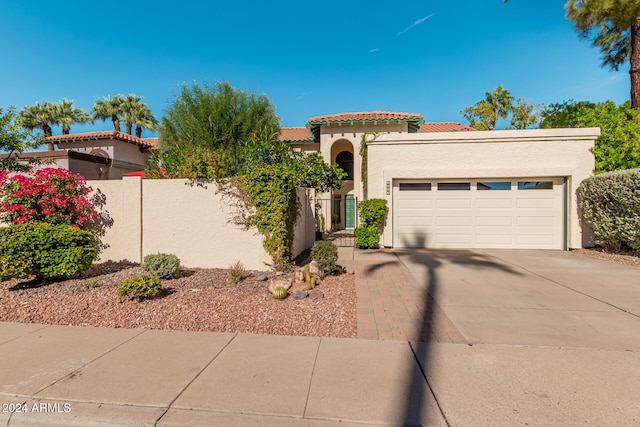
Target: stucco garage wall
(488, 154)
(190, 221)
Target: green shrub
(45, 250)
(610, 204)
(367, 236)
(372, 212)
(325, 254)
(140, 287)
(161, 266)
(91, 284)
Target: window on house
(446, 186)
(415, 186)
(499, 185)
(344, 159)
(535, 185)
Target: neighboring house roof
(444, 127)
(296, 135)
(143, 143)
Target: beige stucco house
(446, 184)
(449, 186)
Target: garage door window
(415, 186)
(498, 185)
(447, 186)
(535, 185)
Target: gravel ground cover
(199, 300)
(629, 258)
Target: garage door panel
(415, 204)
(410, 221)
(535, 203)
(457, 221)
(494, 203)
(534, 240)
(453, 204)
(454, 239)
(530, 217)
(494, 240)
(533, 221)
(493, 220)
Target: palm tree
(108, 109)
(144, 119)
(39, 116)
(137, 113)
(66, 115)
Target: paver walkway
(392, 304)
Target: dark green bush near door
(610, 204)
(367, 236)
(372, 213)
(45, 250)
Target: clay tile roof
(365, 117)
(293, 135)
(110, 134)
(153, 142)
(444, 127)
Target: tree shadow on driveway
(426, 264)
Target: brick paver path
(392, 305)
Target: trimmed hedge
(610, 204)
(372, 213)
(367, 236)
(47, 251)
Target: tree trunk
(634, 69)
(116, 122)
(129, 128)
(139, 131)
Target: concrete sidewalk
(63, 375)
(74, 376)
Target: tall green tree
(39, 116)
(108, 108)
(66, 114)
(613, 26)
(217, 117)
(14, 139)
(618, 146)
(499, 105)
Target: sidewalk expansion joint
(313, 370)
(424, 375)
(204, 368)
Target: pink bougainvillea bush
(50, 195)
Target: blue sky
(309, 58)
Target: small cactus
(279, 292)
(313, 282)
(307, 274)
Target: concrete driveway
(534, 298)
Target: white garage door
(484, 213)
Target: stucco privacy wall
(488, 154)
(190, 221)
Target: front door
(350, 212)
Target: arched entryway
(343, 210)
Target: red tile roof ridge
(108, 134)
(366, 115)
